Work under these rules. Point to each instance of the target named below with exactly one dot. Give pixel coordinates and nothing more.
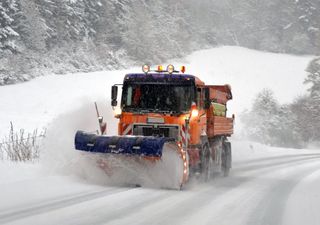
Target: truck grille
(156, 130)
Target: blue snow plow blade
(127, 145)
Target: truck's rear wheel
(206, 163)
(226, 158)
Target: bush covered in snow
(21, 146)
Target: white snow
(266, 186)
(287, 26)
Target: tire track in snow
(161, 206)
(11, 215)
(100, 210)
(271, 208)
(256, 165)
(304, 199)
(111, 217)
(189, 201)
(279, 157)
(239, 204)
(238, 193)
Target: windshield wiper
(162, 111)
(167, 111)
(146, 110)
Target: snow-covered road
(266, 186)
(273, 186)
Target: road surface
(266, 186)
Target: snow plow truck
(167, 118)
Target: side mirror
(206, 98)
(114, 95)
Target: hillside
(34, 104)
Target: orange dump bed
(219, 125)
(220, 93)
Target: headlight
(194, 113)
(194, 110)
(117, 111)
(170, 68)
(145, 68)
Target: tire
(225, 171)
(226, 158)
(206, 163)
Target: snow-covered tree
(314, 76)
(8, 33)
(31, 26)
(302, 120)
(262, 120)
(314, 103)
(49, 11)
(307, 17)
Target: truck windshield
(157, 98)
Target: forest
(40, 37)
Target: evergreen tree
(302, 121)
(8, 33)
(262, 121)
(313, 79)
(49, 12)
(307, 18)
(31, 26)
